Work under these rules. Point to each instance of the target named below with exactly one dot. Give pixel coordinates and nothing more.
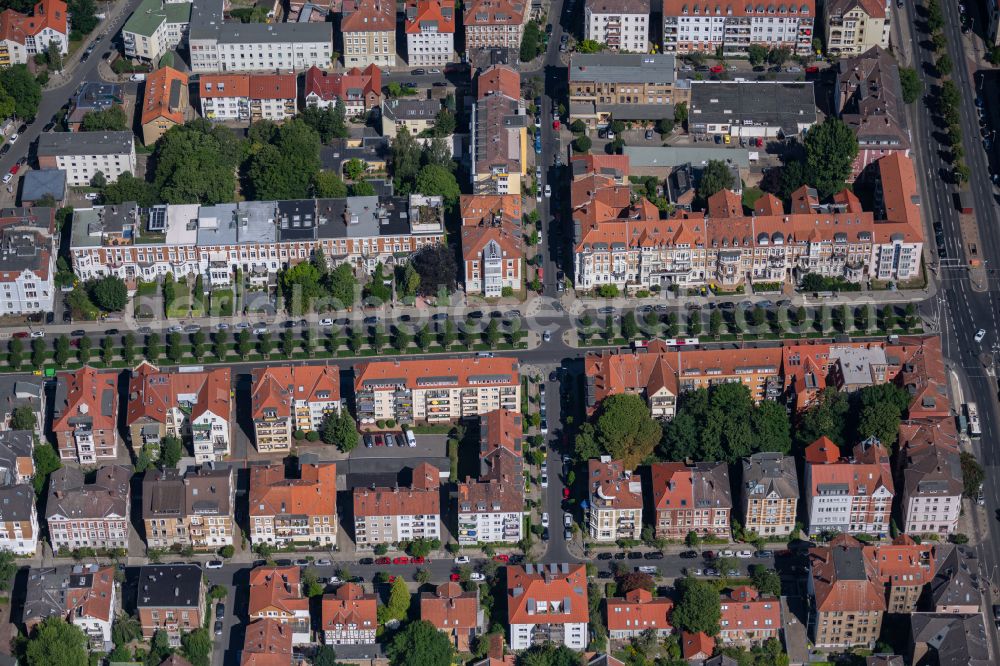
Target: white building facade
(621, 26)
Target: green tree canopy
(698, 607)
(129, 188)
(757, 54)
(196, 163)
(549, 655)
(623, 429)
(972, 474)
(46, 462)
(109, 119)
(327, 185)
(435, 264)
(444, 123)
(285, 167)
(437, 180)
(302, 283)
(830, 151)
(716, 176)
(23, 418)
(109, 293)
(197, 647)
(340, 430)
(420, 644)
(57, 643)
(171, 451)
(766, 580)
(342, 285)
(404, 161)
(21, 85)
(723, 423)
(910, 82)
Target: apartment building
(89, 515)
(691, 498)
(701, 27)
(748, 617)
(494, 23)
(491, 509)
(957, 586)
(27, 260)
(267, 642)
(623, 242)
(414, 115)
(26, 393)
(869, 98)
(248, 97)
(255, 237)
(350, 616)
(18, 516)
(156, 27)
(85, 595)
(435, 390)
(949, 639)
(195, 407)
(368, 28)
(165, 103)
(492, 244)
(84, 154)
(276, 594)
(855, 26)
(430, 32)
(289, 511)
(615, 501)
(770, 494)
(17, 464)
(905, 568)
(603, 86)
(194, 509)
(286, 399)
(931, 474)
(220, 46)
(848, 494)
(547, 603)
(171, 598)
(638, 611)
(659, 375)
(359, 90)
(85, 415)
(454, 612)
(385, 515)
(22, 37)
(621, 26)
(848, 596)
(499, 127)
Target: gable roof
(349, 605)
(845, 577)
(368, 16)
(561, 587)
(450, 608)
(314, 493)
(499, 80)
(71, 498)
(277, 388)
(639, 610)
(354, 84)
(421, 498)
(431, 373)
(163, 96)
(268, 642)
(278, 589)
(153, 393)
(80, 590)
(432, 15)
(87, 397)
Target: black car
(366, 561)
(112, 331)
(603, 574)
(604, 556)
(545, 534)
(220, 611)
(283, 563)
(619, 556)
(49, 127)
(689, 554)
(83, 58)
(653, 555)
(23, 128)
(78, 333)
(289, 324)
(418, 72)
(50, 317)
(476, 314)
(635, 555)
(67, 317)
(218, 627)
(368, 441)
(371, 321)
(106, 55)
(5, 149)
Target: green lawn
(221, 303)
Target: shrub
(299, 435)
(312, 436)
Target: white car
(726, 553)
(213, 564)
(223, 327)
(980, 334)
(545, 519)
(538, 197)
(13, 138)
(90, 196)
(7, 177)
(567, 520)
(462, 559)
(326, 322)
(259, 331)
(745, 554)
(548, 190)
(476, 576)
(545, 480)
(647, 570)
(38, 334)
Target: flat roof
(275, 33)
(763, 103)
(671, 156)
(623, 68)
(58, 144)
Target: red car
(21, 334)
(383, 560)
(717, 69)
(392, 579)
(15, 168)
(812, 69)
(501, 558)
(455, 578)
(379, 440)
(565, 493)
(555, 124)
(401, 560)
(417, 560)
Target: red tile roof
(349, 605)
(639, 610)
(494, 12)
(487, 218)
(431, 373)
(743, 609)
(822, 452)
(273, 86)
(368, 16)
(93, 601)
(91, 393)
(355, 83)
(18, 27)
(313, 494)
(212, 86)
(422, 498)
(845, 577)
(278, 589)
(501, 429)
(562, 587)
(868, 471)
(499, 80)
(436, 14)
(156, 98)
(268, 642)
(904, 562)
(152, 393)
(697, 646)
(611, 486)
(278, 387)
(450, 608)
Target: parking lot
(428, 446)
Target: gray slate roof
(956, 640)
(956, 581)
(71, 497)
(17, 503)
(623, 68)
(763, 103)
(38, 183)
(169, 586)
(84, 143)
(767, 473)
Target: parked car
(383, 560)
(689, 554)
(604, 556)
(476, 576)
(744, 554)
(501, 558)
(648, 570)
(366, 561)
(214, 564)
(462, 559)
(653, 555)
